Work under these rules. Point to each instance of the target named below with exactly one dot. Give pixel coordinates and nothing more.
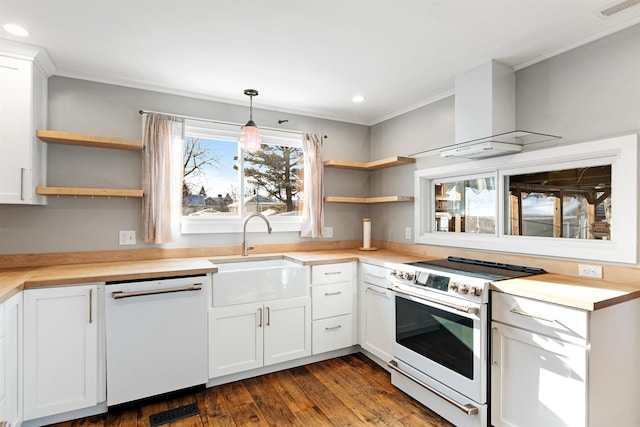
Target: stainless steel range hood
(485, 115)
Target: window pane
(211, 185)
(273, 180)
(570, 203)
(466, 206)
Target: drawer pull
(533, 316)
(333, 328)
(467, 409)
(376, 277)
(330, 273)
(328, 294)
(375, 291)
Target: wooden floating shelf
(368, 200)
(67, 138)
(369, 166)
(88, 192)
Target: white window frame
(620, 152)
(231, 132)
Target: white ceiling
(304, 56)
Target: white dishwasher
(156, 334)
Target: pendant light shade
(250, 138)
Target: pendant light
(250, 138)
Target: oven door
(447, 341)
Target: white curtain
(162, 178)
(313, 208)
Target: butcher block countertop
(576, 292)
(587, 294)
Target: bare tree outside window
(195, 157)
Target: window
(570, 203)
(466, 205)
(223, 184)
(574, 201)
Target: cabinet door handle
(533, 316)
(329, 273)
(260, 318)
(375, 291)
(90, 306)
(493, 346)
(328, 294)
(268, 316)
(332, 328)
(22, 170)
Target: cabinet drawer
(333, 299)
(556, 321)
(374, 274)
(332, 334)
(331, 273)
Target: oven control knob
(476, 291)
(454, 286)
(393, 273)
(410, 276)
(463, 289)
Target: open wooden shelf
(368, 200)
(88, 192)
(369, 166)
(67, 138)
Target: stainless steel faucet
(245, 245)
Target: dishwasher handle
(121, 294)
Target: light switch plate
(407, 232)
(127, 237)
(327, 232)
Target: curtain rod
(221, 122)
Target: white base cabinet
(250, 336)
(558, 366)
(335, 306)
(11, 360)
(62, 369)
(376, 311)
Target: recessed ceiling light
(16, 30)
(358, 98)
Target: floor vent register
(174, 414)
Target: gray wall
(584, 94)
(84, 224)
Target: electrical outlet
(327, 232)
(593, 271)
(407, 232)
(127, 237)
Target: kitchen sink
(245, 282)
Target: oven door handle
(467, 409)
(470, 310)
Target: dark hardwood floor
(346, 391)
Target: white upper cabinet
(24, 71)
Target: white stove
(440, 351)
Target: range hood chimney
(485, 114)
(485, 102)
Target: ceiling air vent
(618, 7)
